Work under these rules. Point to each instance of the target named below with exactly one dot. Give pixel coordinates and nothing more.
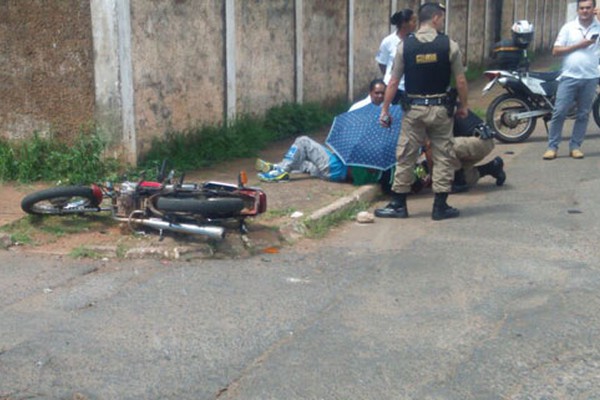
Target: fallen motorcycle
(164, 205)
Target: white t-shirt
(360, 104)
(581, 63)
(386, 54)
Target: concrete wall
(46, 67)
(265, 54)
(371, 24)
(325, 55)
(142, 68)
(178, 65)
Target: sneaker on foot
(274, 175)
(262, 165)
(549, 154)
(576, 153)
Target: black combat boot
(495, 168)
(459, 184)
(395, 208)
(441, 209)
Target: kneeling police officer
(428, 59)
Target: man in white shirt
(578, 42)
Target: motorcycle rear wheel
(505, 128)
(60, 200)
(214, 207)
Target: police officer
(428, 59)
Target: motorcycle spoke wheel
(501, 118)
(59, 200)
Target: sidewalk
(314, 198)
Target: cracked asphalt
(501, 303)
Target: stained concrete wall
(46, 67)
(371, 24)
(265, 54)
(325, 49)
(178, 65)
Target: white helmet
(522, 33)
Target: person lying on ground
(308, 156)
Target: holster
(451, 100)
(404, 102)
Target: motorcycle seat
(545, 76)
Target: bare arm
(463, 95)
(390, 93)
(558, 51)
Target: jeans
(572, 91)
(307, 156)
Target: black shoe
(495, 168)
(459, 184)
(441, 209)
(498, 171)
(392, 210)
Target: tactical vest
(427, 66)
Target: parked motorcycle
(529, 96)
(163, 204)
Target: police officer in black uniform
(428, 59)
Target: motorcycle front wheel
(60, 200)
(500, 117)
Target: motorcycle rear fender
(515, 87)
(259, 199)
(97, 193)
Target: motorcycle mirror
(160, 176)
(242, 179)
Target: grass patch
(474, 73)
(34, 229)
(279, 213)
(47, 158)
(21, 238)
(206, 145)
(20, 231)
(84, 252)
(318, 228)
(480, 112)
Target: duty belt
(427, 101)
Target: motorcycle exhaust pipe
(214, 232)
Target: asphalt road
(501, 303)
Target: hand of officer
(462, 112)
(384, 119)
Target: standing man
(578, 42)
(428, 59)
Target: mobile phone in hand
(594, 36)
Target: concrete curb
(365, 193)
